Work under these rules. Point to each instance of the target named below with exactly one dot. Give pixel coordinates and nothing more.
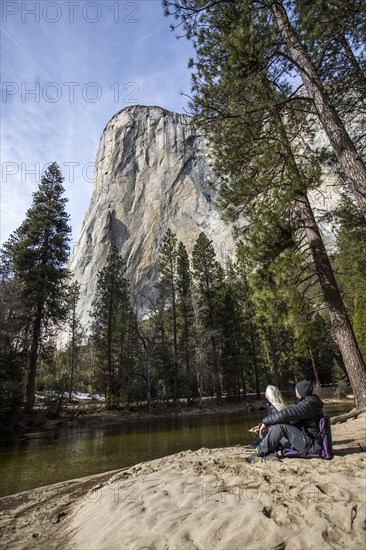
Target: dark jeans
(288, 436)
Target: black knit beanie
(304, 388)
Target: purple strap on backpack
(326, 451)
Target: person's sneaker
(271, 456)
(254, 457)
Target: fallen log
(354, 413)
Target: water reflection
(74, 452)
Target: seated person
(305, 435)
(275, 404)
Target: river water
(72, 452)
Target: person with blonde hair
(275, 404)
(274, 398)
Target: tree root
(354, 413)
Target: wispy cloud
(16, 43)
(149, 35)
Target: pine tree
(269, 293)
(161, 317)
(13, 347)
(313, 343)
(184, 291)
(167, 266)
(111, 311)
(147, 331)
(239, 333)
(75, 332)
(209, 277)
(201, 339)
(37, 253)
(297, 339)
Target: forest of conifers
(211, 330)
(267, 78)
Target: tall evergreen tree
(111, 314)
(147, 331)
(37, 253)
(75, 333)
(184, 291)
(297, 339)
(13, 348)
(161, 317)
(209, 278)
(167, 265)
(201, 338)
(269, 287)
(240, 346)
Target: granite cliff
(151, 174)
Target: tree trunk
(166, 371)
(244, 385)
(187, 357)
(200, 387)
(256, 373)
(353, 60)
(149, 350)
(109, 351)
(176, 367)
(354, 413)
(72, 358)
(148, 381)
(32, 364)
(238, 387)
(340, 323)
(71, 373)
(315, 368)
(276, 373)
(216, 367)
(344, 148)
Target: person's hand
(255, 429)
(262, 429)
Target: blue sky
(66, 68)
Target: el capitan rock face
(151, 174)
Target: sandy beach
(206, 499)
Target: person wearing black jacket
(294, 427)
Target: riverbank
(210, 407)
(87, 415)
(92, 413)
(202, 499)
